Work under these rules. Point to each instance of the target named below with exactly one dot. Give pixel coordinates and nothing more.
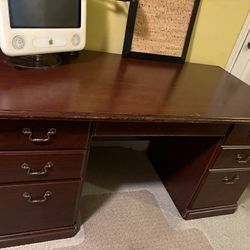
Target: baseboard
(190, 214)
(37, 236)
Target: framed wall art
(160, 29)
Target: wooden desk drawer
(57, 206)
(221, 188)
(240, 135)
(159, 129)
(20, 166)
(52, 135)
(233, 158)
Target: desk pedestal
(199, 178)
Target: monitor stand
(34, 61)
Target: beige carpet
(132, 220)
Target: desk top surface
(100, 86)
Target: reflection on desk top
(101, 86)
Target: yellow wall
(106, 23)
(217, 27)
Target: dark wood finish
(233, 158)
(240, 136)
(215, 192)
(191, 214)
(59, 210)
(67, 164)
(69, 135)
(37, 236)
(148, 97)
(100, 86)
(158, 129)
(181, 163)
(56, 217)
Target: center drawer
(106, 129)
(37, 135)
(21, 166)
(38, 206)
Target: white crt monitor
(29, 27)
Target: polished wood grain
(100, 86)
(18, 239)
(181, 164)
(99, 94)
(197, 213)
(65, 164)
(121, 129)
(216, 192)
(18, 215)
(233, 158)
(240, 136)
(69, 135)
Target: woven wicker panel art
(160, 29)
(161, 26)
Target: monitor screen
(45, 13)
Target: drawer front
(233, 158)
(27, 135)
(221, 188)
(20, 166)
(240, 135)
(38, 206)
(158, 129)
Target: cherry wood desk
(197, 118)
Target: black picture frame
(130, 31)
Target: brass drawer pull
(51, 131)
(33, 172)
(28, 196)
(231, 181)
(243, 159)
